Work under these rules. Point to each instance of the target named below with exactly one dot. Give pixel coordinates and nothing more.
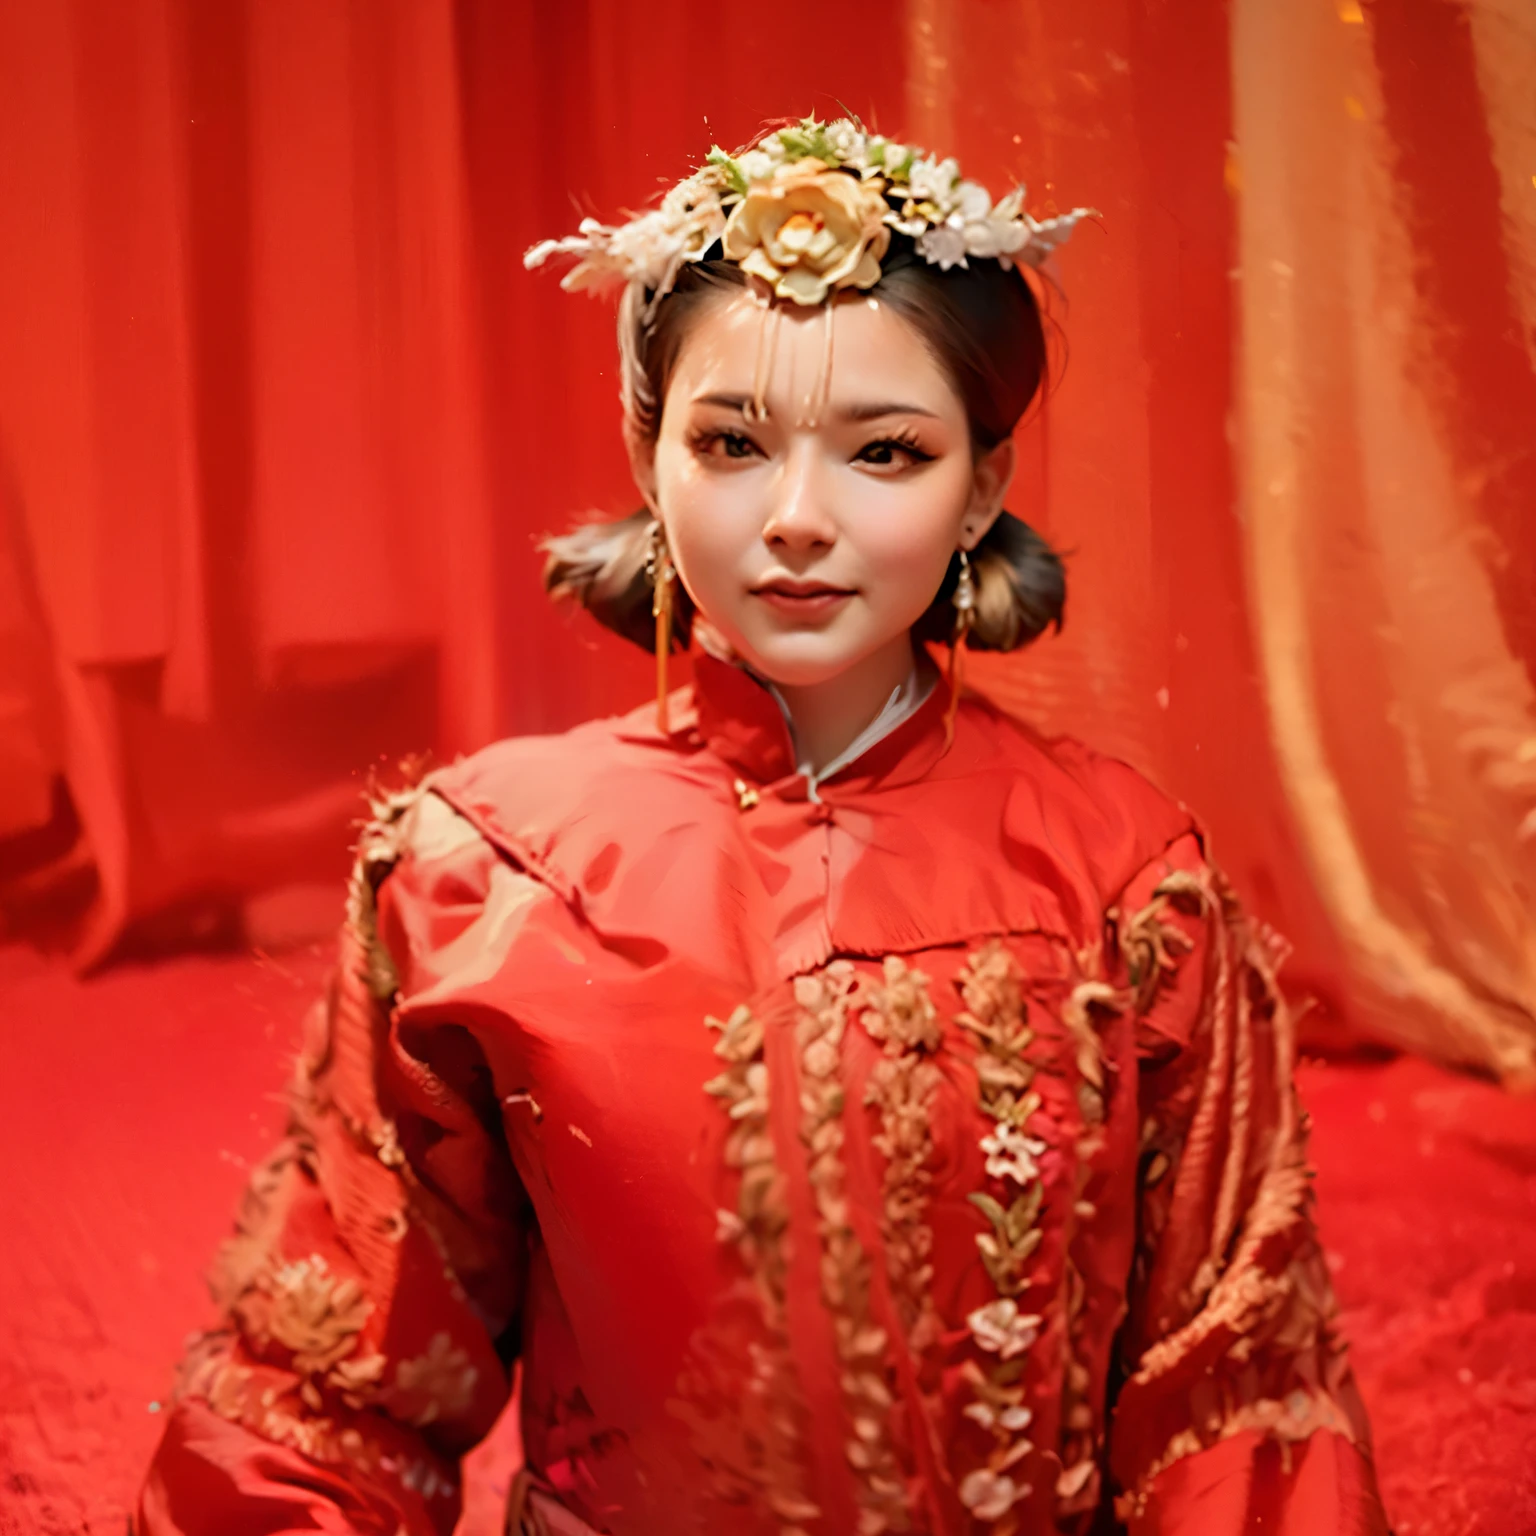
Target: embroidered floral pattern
(442, 1381)
(992, 988)
(1258, 1309)
(267, 1401)
(1150, 945)
(312, 1312)
(379, 849)
(1077, 1485)
(1011, 1155)
(900, 1015)
(761, 1448)
(1091, 999)
(1088, 1050)
(296, 1365)
(358, 1380)
(823, 1000)
(1002, 1329)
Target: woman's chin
(803, 661)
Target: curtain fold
(1386, 483)
(282, 419)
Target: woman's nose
(799, 517)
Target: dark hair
(983, 325)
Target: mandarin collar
(741, 722)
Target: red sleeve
(370, 1294)
(1238, 1411)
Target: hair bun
(1021, 590)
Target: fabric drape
(282, 418)
(1289, 459)
(1386, 393)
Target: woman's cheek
(904, 531)
(708, 535)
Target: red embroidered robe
(917, 1154)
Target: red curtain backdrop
(282, 417)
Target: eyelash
(904, 441)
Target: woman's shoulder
(464, 860)
(1113, 815)
(601, 782)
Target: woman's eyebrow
(728, 401)
(864, 411)
(870, 410)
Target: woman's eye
(725, 445)
(892, 452)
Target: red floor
(131, 1107)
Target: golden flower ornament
(810, 210)
(807, 230)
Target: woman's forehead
(737, 346)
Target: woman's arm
(370, 1295)
(1237, 1411)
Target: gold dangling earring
(965, 616)
(658, 566)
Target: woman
(854, 1112)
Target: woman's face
(816, 537)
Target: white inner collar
(907, 697)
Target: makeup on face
(811, 514)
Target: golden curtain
(1291, 458)
(1378, 495)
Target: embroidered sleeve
(370, 1294)
(1237, 1402)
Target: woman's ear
(992, 476)
(642, 464)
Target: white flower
(1046, 234)
(999, 238)
(990, 1495)
(1010, 205)
(1013, 1417)
(649, 244)
(681, 200)
(1011, 1154)
(647, 249)
(972, 201)
(756, 165)
(846, 141)
(933, 181)
(895, 154)
(942, 244)
(1001, 1329)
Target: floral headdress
(810, 209)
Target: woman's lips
(802, 602)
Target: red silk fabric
(595, 1091)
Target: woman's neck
(828, 716)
